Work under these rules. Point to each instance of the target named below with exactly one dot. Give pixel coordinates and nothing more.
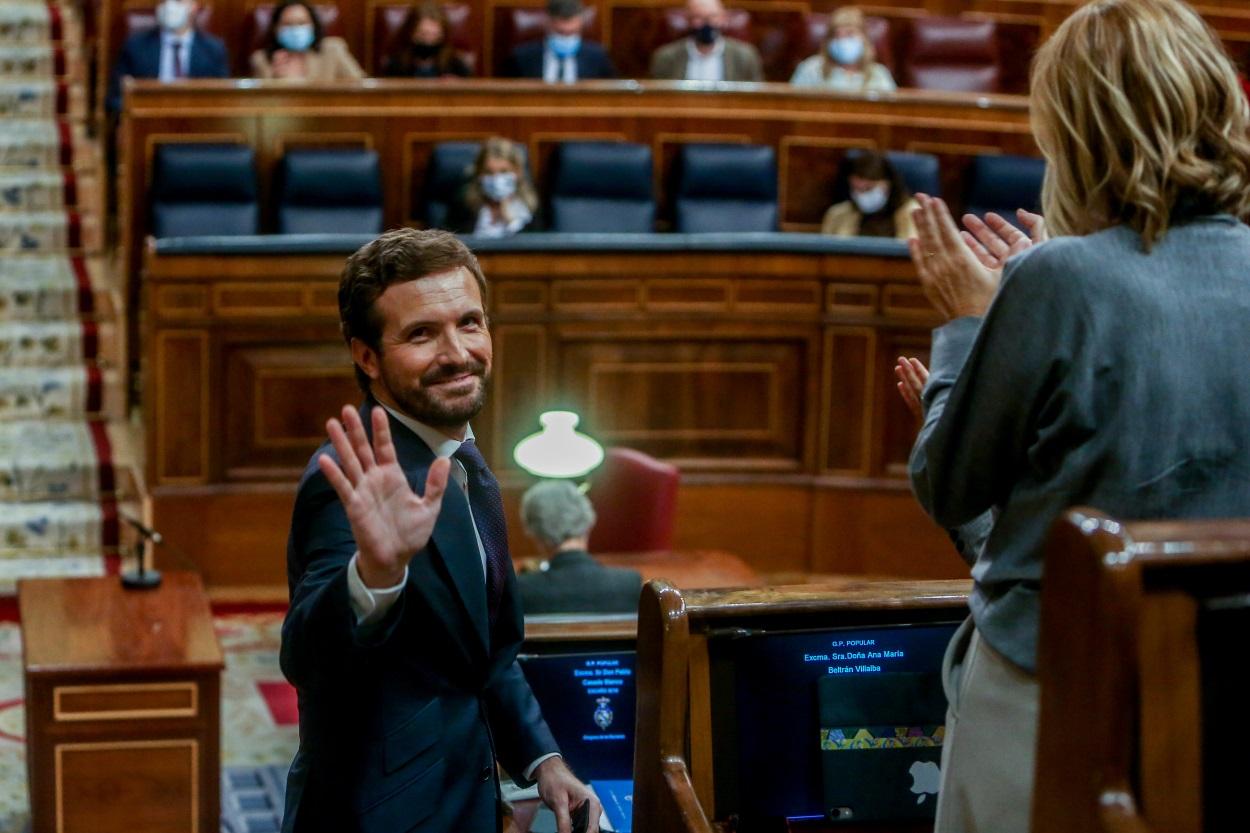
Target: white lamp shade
(558, 450)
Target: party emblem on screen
(603, 713)
(926, 779)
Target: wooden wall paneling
(879, 530)
(276, 400)
(233, 535)
(181, 398)
(523, 386)
(895, 426)
(847, 401)
(703, 401)
(767, 523)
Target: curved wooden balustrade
(1124, 659)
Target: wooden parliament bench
(687, 662)
(1143, 682)
(403, 120)
(760, 364)
(485, 30)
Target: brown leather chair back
(953, 54)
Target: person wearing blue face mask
(498, 200)
(295, 48)
(847, 60)
(564, 56)
(174, 49)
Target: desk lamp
(558, 450)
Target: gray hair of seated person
(554, 511)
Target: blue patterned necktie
(487, 505)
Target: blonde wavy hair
(849, 16)
(1136, 106)
(511, 152)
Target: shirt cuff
(529, 770)
(369, 604)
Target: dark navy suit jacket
(140, 57)
(526, 61)
(401, 721)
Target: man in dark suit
(404, 624)
(563, 56)
(559, 518)
(174, 49)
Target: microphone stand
(141, 578)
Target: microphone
(141, 578)
(143, 529)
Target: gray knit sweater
(1101, 376)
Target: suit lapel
(454, 538)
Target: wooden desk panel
(122, 706)
(765, 376)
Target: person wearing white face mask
(173, 50)
(296, 50)
(564, 56)
(847, 60)
(499, 200)
(879, 204)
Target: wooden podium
(123, 706)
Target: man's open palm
(390, 521)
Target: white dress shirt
(168, 41)
(518, 217)
(370, 604)
(558, 70)
(705, 67)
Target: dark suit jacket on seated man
(404, 623)
(174, 49)
(559, 518)
(563, 56)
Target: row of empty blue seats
(202, 189)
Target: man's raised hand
(391, 522)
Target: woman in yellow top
(879, 205)
(296, 50)
(846, 61)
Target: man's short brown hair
(397, 256)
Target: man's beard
(418, 403)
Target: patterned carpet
(62, 394)
(258, 732)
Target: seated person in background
(564, 56)
(429, 53)
(706, 54)
(499, 200)
(174, 49)
(559, 518)
(846, 60)
(880, 205)
(295, 48)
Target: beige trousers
(991, 735)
